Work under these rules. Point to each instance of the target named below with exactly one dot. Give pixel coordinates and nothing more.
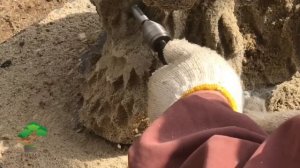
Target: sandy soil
(16, 15)
(43, 84)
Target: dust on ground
(40, 82)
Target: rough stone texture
(171, 4)
(116, 90)
(15, 16)
(286, 96)
(259, 38)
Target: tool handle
(155, 34)
(139, 14)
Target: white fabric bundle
(191, 68)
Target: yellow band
(215, 87)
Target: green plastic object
(31, 128)
(25, 133)
(42, 131)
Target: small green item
(42, 131)
(25, 133)
(31, 128)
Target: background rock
(286, 96)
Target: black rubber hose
(160, 50)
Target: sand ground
(43, 85)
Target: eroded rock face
(259, 38)
(286, 96)
(114, 99)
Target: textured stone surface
(286, 96)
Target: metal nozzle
(139, 14)
(155, 34)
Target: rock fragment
(6, 64)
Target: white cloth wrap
(189, 65)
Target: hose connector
(155, 35)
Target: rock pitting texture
(286, 96)
(259, 38)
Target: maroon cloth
(201, 130)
